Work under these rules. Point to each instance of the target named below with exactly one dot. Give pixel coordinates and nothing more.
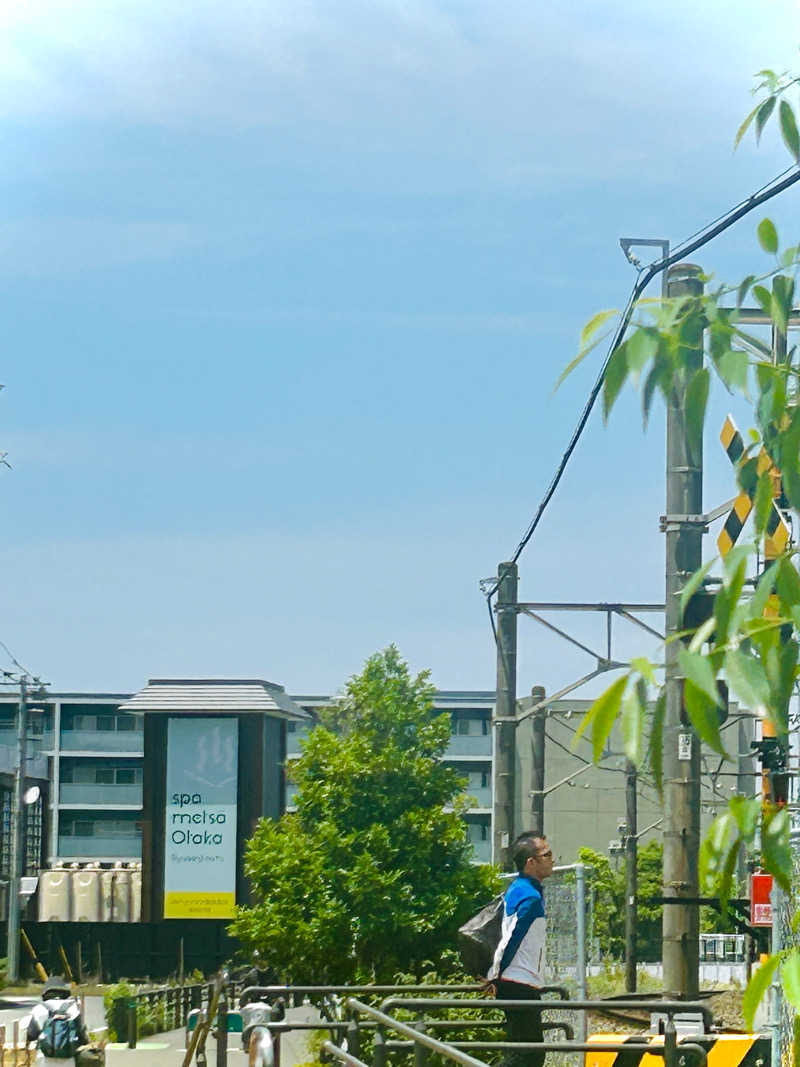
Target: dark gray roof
(208, 696)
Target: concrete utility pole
(505, 714)
(537, 750)
(684, 531)
(17, 835)
(631, 882)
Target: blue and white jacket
(520, 955)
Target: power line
(691, 244)
(13, 658)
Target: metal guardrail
(672, 1054)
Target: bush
(150, 1018)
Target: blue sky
(286, 288)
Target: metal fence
(783, 1018)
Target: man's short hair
(527, 847)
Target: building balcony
(479, 745)
(100, 795)
(130, 741)
(97, 847)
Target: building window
(126, 776)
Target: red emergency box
(760, 903)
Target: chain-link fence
(570, 934)
(787, 936)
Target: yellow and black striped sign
(722, 1050)
(777, 533)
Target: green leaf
(744, 287)
(693, 584)
(745, 126)
(732, 368)
(776, 856)
(763, 502)
(698, 670)
(787, 582)
(601, 716)
(632, 722)
(696, 400)
(657, 741)
(594, 324)
(791, 138)
(641, 347)
(614, 378)
(756, 988)
(764, 298)
(582, 354)
(766, 583)
(747, 812)
(768, 236)
(782, 299)
(715, 846)
(762, 115)
(790, 977)
(748, 681)
(704, 716)
(645, 668)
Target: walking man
(519, 963)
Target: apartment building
(88, 755)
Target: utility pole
(537, 751)
(505, 714)
(17, 835)
(681, 746)
(631, 882)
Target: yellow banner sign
(199, 905)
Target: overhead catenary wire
(697, 240)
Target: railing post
(353, 1036)
(222, 1030)
(132, 1023)
(379, 1048)
(670, 1043)
(420, 1051)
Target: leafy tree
(373, 873)
(608, 887)
(751, 637)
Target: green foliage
(150, 1018)
(373, 873)
(750, 640)
(608, 891)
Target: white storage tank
(122, 894)
(136, 893)
(55, 891)
(86, 895)
(107, 896)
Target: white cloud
(416, 68)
